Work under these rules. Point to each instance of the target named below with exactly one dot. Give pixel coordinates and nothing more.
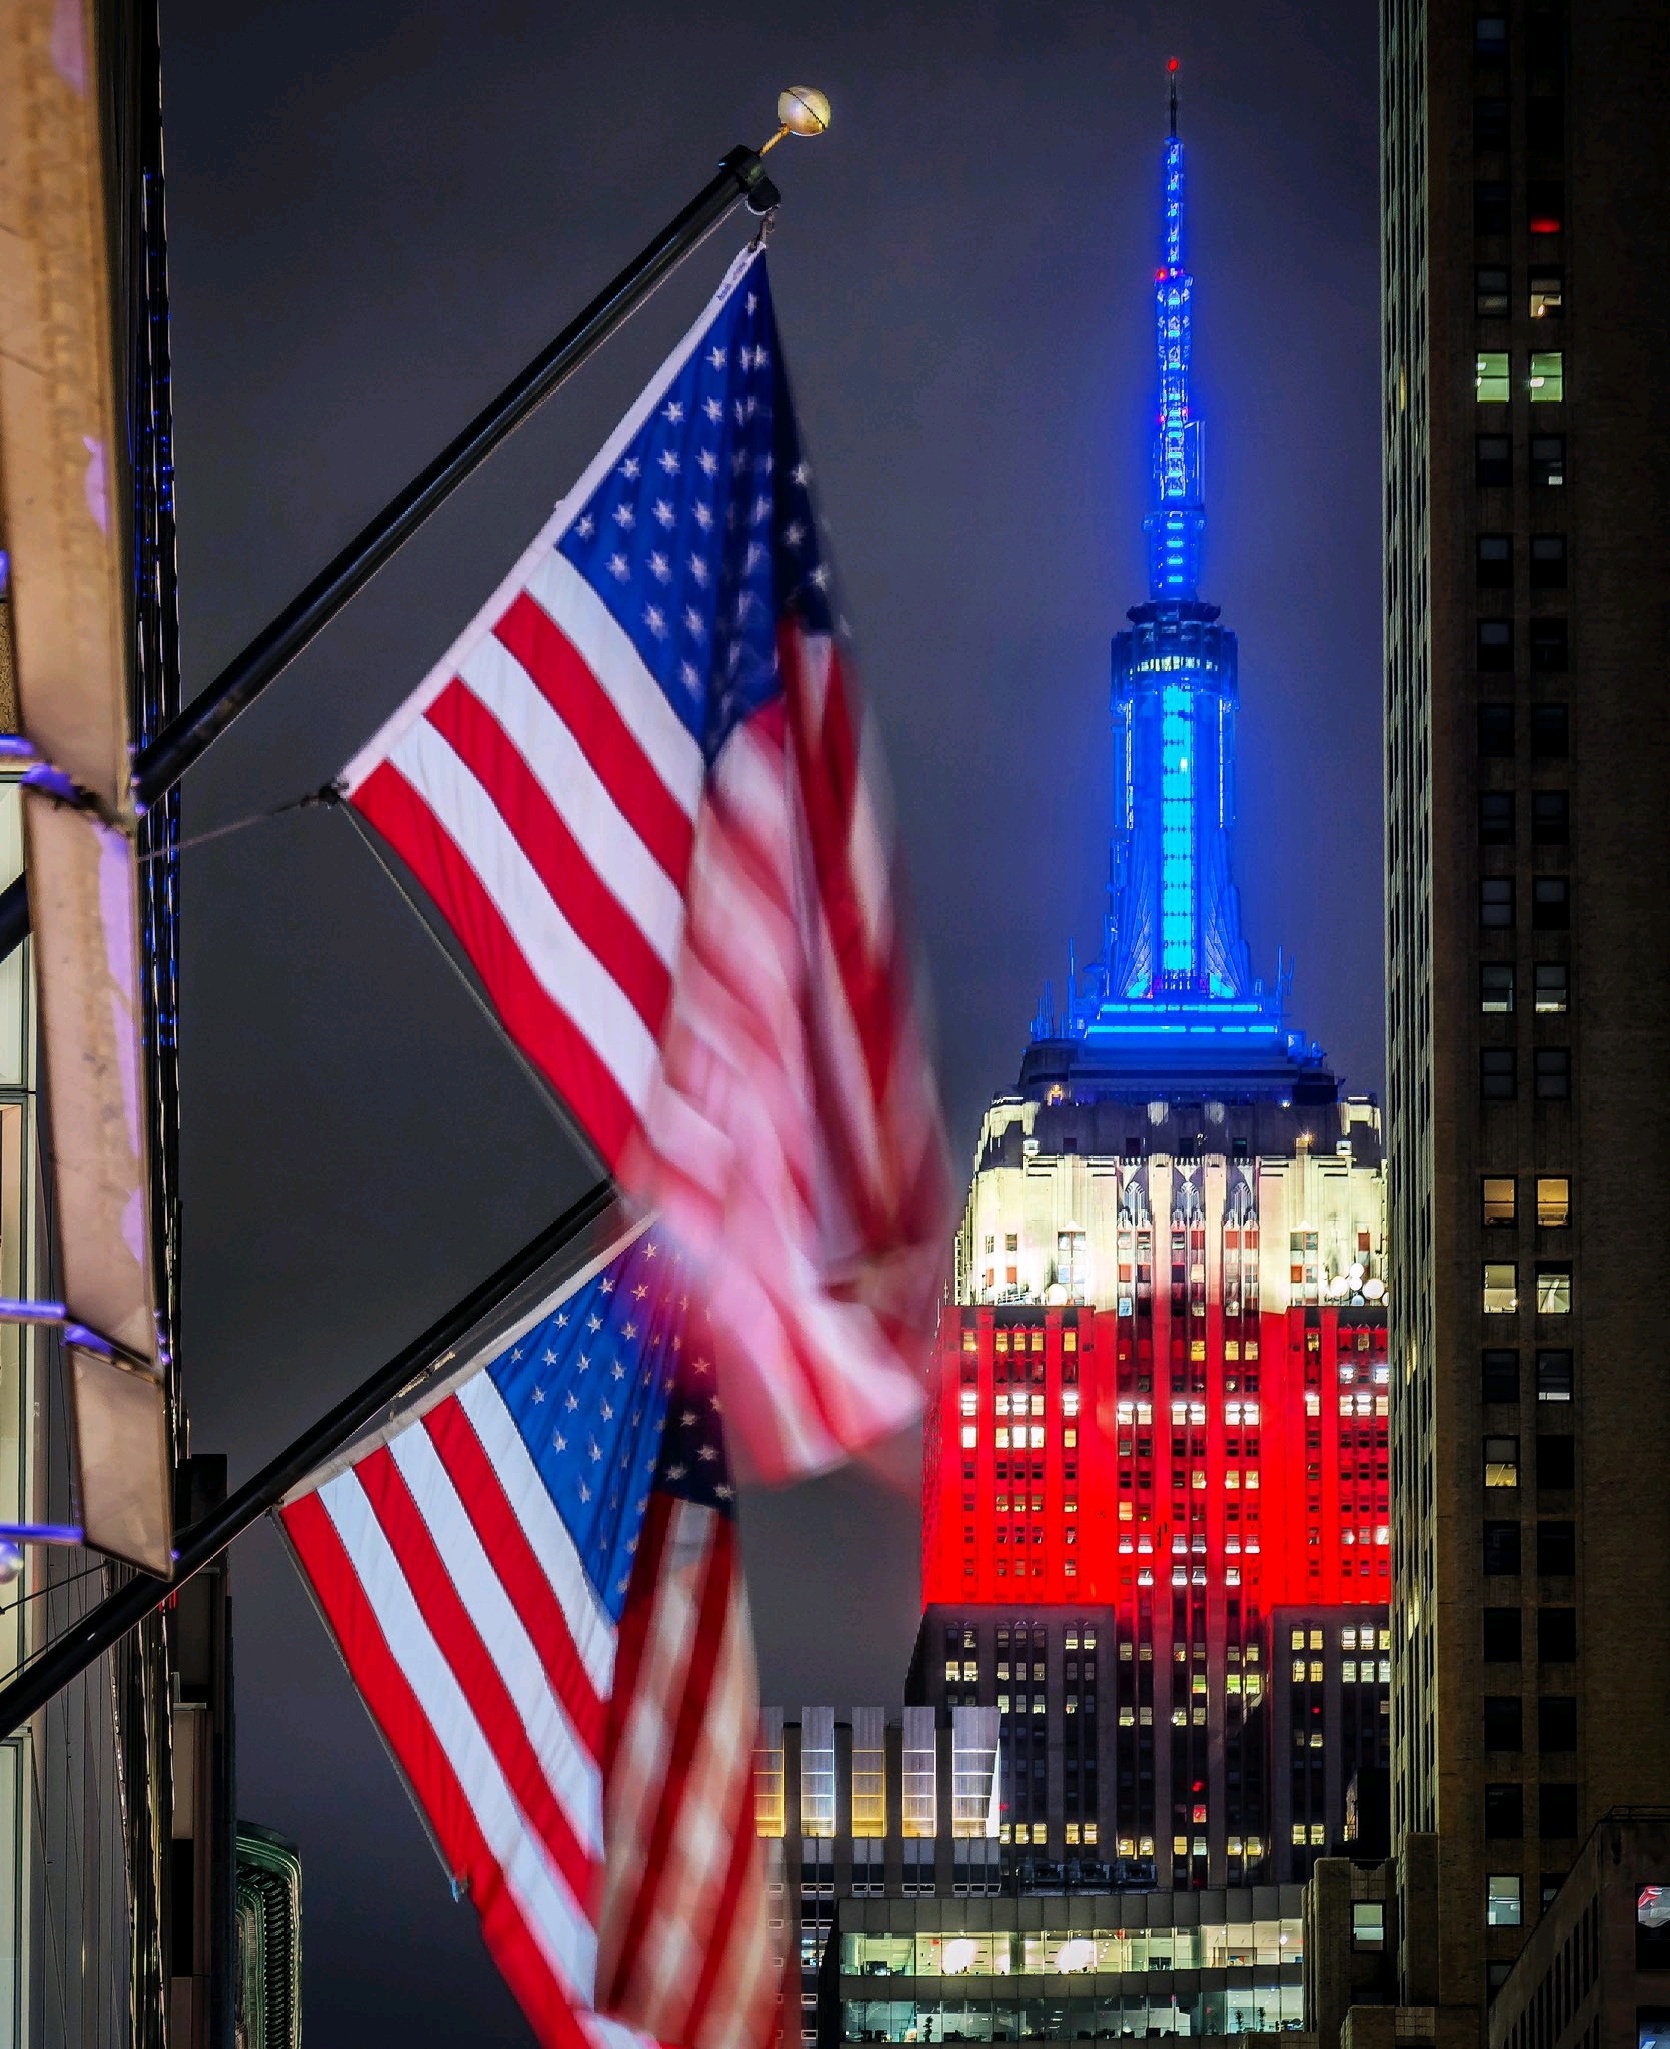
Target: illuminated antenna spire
(1172, 68)
(1178, 518)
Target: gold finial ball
(803, 110)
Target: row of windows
(1545, 292)
(1493, 561)
(1500, 1375)
(1493, 461)
(1504, 1635)
(1504, 1722)
(1504, 1810)
(1545, 376)
(1499, 1073)
(1550, 729)
(1550, 903)
(1549, 641)
(1556, 1552)
(1550, 989)
(1501, 1287)
(1556, 1463)
(1550, 818)
(1499, 1201)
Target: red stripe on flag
(471, 1664)
(394, 1708)
(602, 735)
(520, 1573)
(544, 1032)
(601, 922)
(729, 1910)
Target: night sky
(377, 213)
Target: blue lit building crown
(1173, 997)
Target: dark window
(1548, 294)
(1545, 127)
(1490, 207)
(1501, 1374)
(1498, 1074)
(1549, 645)
(1549, 732)
(1496, 902)
(1501, 1636)
(1490, 35)
(1504, 1810)
(1495, 645)
(1490, 293)
(1490, 124)
(1496, 728)
(1496, 818)
(1557, 1722)
(1553, 1065)
(1554, 1376)
(1551, 989)
(1557, 1815)
(1548, 460)
(1550, 818)
(1556, 1550)
(1548, 562)
(1502, 1722)
(1545, 206)
(1556, 1635)
(1501, 1547)
(1557, 1463)
(1550, 903)
(1492, 459)
(1496, 986)
(1495, 562)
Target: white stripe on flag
(565, 967)
(572, 1776)
(645, 891)
(545, 1530)
(553, 1917)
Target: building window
(1548, 294)
(1550, 903)
(1496, 903)
(1545, 206)
(1553, 1287)
(1548, 562)
(1550, 979)
(1490, 37)
(1553, 1071)
(1554, 1376)
(1501, 1636)
(1501, 1462)
(1503, 1907)
(1549, 646)
(1496, 729)
(1550, 732)
(1490, 290)
(1550, 818)
(1500, 1374)
(1556, 1550)
(1501, 1549)
(1501, 1287)
(1495, 645)
(1491, 213)
(1496, 987)
(1504, 1811)
(1492, 380)
(1368, 1924)
(1548, 460)
(1498, 1074)
(1503, 1722)
(1494, 562)
(1556, 1635)
(1496, 818)
(1492, 461)
(1557, 1722)
(1490, 124)
(1553, 1202)
(1556, 1464)
(1557, 1812)
(1497, 1194)
(1548, 376)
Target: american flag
(639, 792)
(532, 1576)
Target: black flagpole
(101, 1627)
(159, 765)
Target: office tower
(1155, 1533)
(1527, 496)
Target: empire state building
(1155, 1530)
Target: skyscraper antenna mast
(1172, 68)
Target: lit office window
(1503, 1901)
(1548, 376)
(1492, 382)
(1553, 1201)
(1548, 294)
(1551, 983)
(1501, 1462)
(869, 1773)
(918, 1805)
(1496, 987)
(1498, 1198)
(769, 1817)
(1501, 1287)
(1553, 1288)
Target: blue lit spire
(1174, 993)
(1175, 525)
